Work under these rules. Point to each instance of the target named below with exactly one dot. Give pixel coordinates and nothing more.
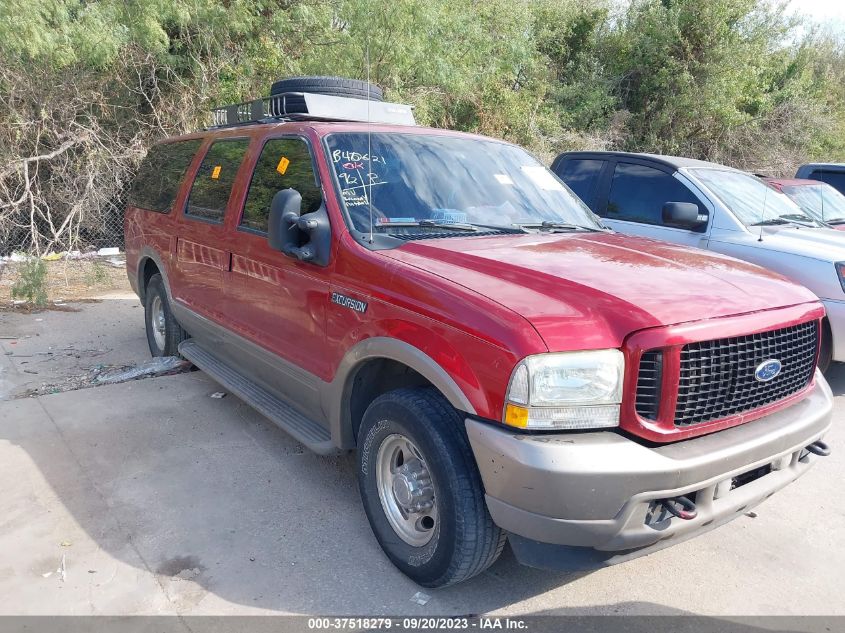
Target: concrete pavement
(163, 500)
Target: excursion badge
(348, 302)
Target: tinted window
(582, 176)
(638, 194)
(157, 184)
(833, 178)
(284, 163)
(214, 180)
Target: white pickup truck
(720, 209)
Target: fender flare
(145, 254)
(381, 347)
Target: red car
(439, 302)
(817, 199)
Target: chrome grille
(717, 378)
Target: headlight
(567, 390)
(840, 273)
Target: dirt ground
(69, 281)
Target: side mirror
(682, 215)
(305, 237)
(287, 202)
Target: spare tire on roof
(333, 86)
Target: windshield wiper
(459, 226)
(773, 222)
(789, 218)
(800, 218)
(545, 224)
(836, 221)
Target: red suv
(504, 366)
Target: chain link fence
(62, 210)
(97, 228)
(41, 265)
(71, 141)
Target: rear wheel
(421, 489)
(163, 331)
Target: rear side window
(582, 176)
(833, 178)
(157, 184)
(285, 163)
(638, 193)
(213, 183)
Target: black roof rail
(298, 106)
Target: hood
(600, 287)
(823, 244)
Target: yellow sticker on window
(215, 173)
(282, 167)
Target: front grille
(717, 378)
(648, 384)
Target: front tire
(163, 331)
(422, 491)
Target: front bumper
(594, 491)
(836, 318)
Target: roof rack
(292, 106)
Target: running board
(315, 436)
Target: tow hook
(819, 448)
(681, 507)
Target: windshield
(750, 199)
(821, 201)
(445, 183)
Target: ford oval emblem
(767, 370)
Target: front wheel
(421, 489)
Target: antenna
(369, 182)
(763, 212)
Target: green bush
(32, 282)
(98, 275)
